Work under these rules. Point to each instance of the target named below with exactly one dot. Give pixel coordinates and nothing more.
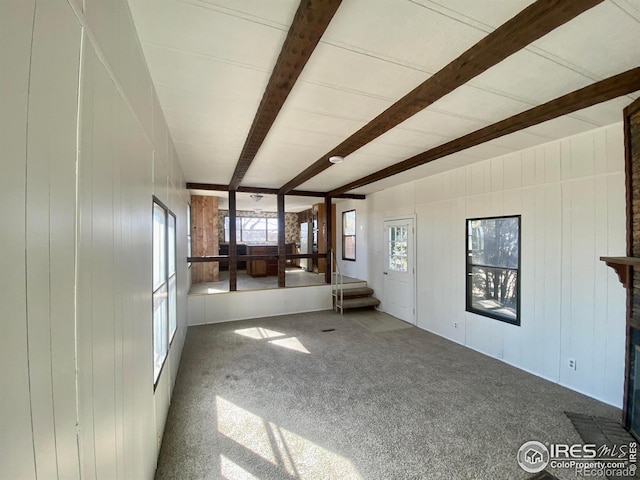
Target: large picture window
(349, 235)
(253, 230)
(493, 268)
(164, 284)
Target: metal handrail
(337, 281)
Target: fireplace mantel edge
(623, 267)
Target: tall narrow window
(349, 235)
(171, 275)
(164, 284)
(493, 268)
(398, 244)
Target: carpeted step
(360, 302)
(357, 292)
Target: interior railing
(337, 285)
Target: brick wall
(632, 128)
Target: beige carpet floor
(283, 398)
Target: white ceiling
(210, 61)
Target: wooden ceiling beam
(529, 25)
(269, 191)
(608, 89)
(311, 20)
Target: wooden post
(282, 261)
(204, 237)
(233, 247)
(328, 236)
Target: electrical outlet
(455, 324)
(571, 364)
(499, 355)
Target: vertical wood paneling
(16, 441)
(112, 26)
(552, 162)
(565, 159)
(160, 136)
(512, 171)
(497, 174)
(424, 261)
(143, 447)
(61, 36)
(86, 440)
(119, 413)
(119, 271)
(131, 68)
(101, 262)
(616, 296)
(50, 201)
(600, 278)
(458, 241)
(77, 250)
(571, 197)
(125, 439)
(160, 180)
(528, 168)
(475, 177)
(600, 152)
(615, 150)
(566, 278)
(583, 260)
(458, 185)
(582, 155)
(529, 313)
(551, 299)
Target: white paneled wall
(16, 440)
(84, 148)
(570, 194)
(242, 305)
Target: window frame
(344, 236)
(170, 306)
(469, 272)
(239, 229)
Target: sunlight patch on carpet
(291, 343)
(267, 446)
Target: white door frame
(413, 218)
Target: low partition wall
(242, 305)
